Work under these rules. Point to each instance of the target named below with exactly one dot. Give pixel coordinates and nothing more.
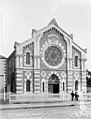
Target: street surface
(71, 112)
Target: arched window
(76, 61)
(63, 86)
(28, 58)
(76, 85)
(28, 86)
(43, 86)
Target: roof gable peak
(53, 21)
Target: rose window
(53, 55)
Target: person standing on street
(72, 96)
(76, 96)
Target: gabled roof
(76, 45)
(53, 21)
(2, 57)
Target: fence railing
(28, 97)
(14, 98)
(4, 97)
(86, 96)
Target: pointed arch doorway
(53, 84)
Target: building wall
(3, 66)
(52, 37)
(39, 70)
(11, 73)
(24, 71)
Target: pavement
(37, 105)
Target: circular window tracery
(53, 55)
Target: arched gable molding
(66, 37)
(43, 80)
(76, 54)
(63, 80)
(27, 51)
(53, 72)
(38, 38)
(48, 43)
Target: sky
(19, 17)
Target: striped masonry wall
(84, 87)
(37, 84)
(3, 68)
(70, 85)
(19, 81)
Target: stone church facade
(49, 62)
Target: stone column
(83, 76)
(70, 82)
(84, 87)
(69, 75)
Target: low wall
(4, 97)
(22, 98)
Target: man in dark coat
(76, 96)
(72, 96)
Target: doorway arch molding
(53, 72)
(59, 84)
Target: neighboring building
(88, 79)
(3, 67)
(49, 62)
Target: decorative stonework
(53, 72)
(43, 80)
(75, 53)
(43, 74)
(53, 53)
(76, 75)
(28, 49)
(43, 90)
(63, 74)
(53, 56)
(64, 85)
(28, 74)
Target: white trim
(38, 63)
(43, 80)
(24, 85)
(63, 81)
(63, 58)
(76, 79)
(53, 72)
(43, 73)
(60, 82)
(25, 80)
(76, 54)
(27, 50)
